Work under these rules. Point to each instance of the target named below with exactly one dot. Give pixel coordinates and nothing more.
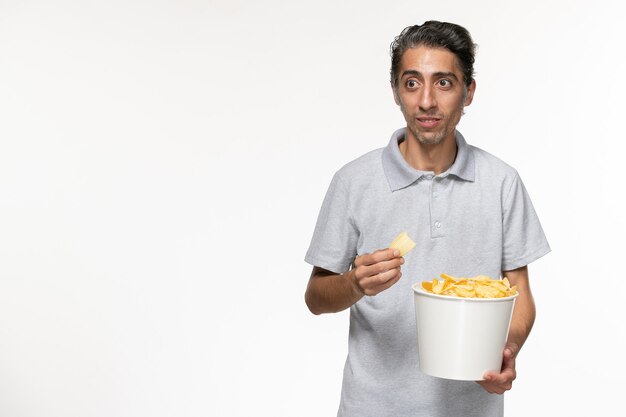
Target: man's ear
(470, 93)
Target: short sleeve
(523, 238)
(333, 246)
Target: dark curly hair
(436, 34)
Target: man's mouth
(428, 122)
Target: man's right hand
(377, 271)
(329, 292)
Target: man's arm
(329, 292)
(524, 311)
(521, 324)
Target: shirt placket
(437, 222)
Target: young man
(468, 212)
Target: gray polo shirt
(474, 219)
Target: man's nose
(427, 99)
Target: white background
(162, 165)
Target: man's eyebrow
(411, 72)
(438, 74)
(445, 74)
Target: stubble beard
(437, 136)
(433, 140)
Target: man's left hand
(498, 383)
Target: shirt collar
(400, 174)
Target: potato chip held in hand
(476, 287)
(402, 243)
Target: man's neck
(436, 158)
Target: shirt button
(429, 177)
(437, 225)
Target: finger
(388, 284)
(505, 378)
(377, 283)
(507, 371)
(500, 387)
(377, 280)
(492, 388)
(380, 288)
(509, 358)
(497, 383)
(376, 257)
(379, 268)
(511, 349)
(508, 365)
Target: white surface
(461, 338)
(162, 164)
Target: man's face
(431, 93)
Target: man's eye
(444, 83)
(411, 84)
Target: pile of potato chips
(476, 287)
